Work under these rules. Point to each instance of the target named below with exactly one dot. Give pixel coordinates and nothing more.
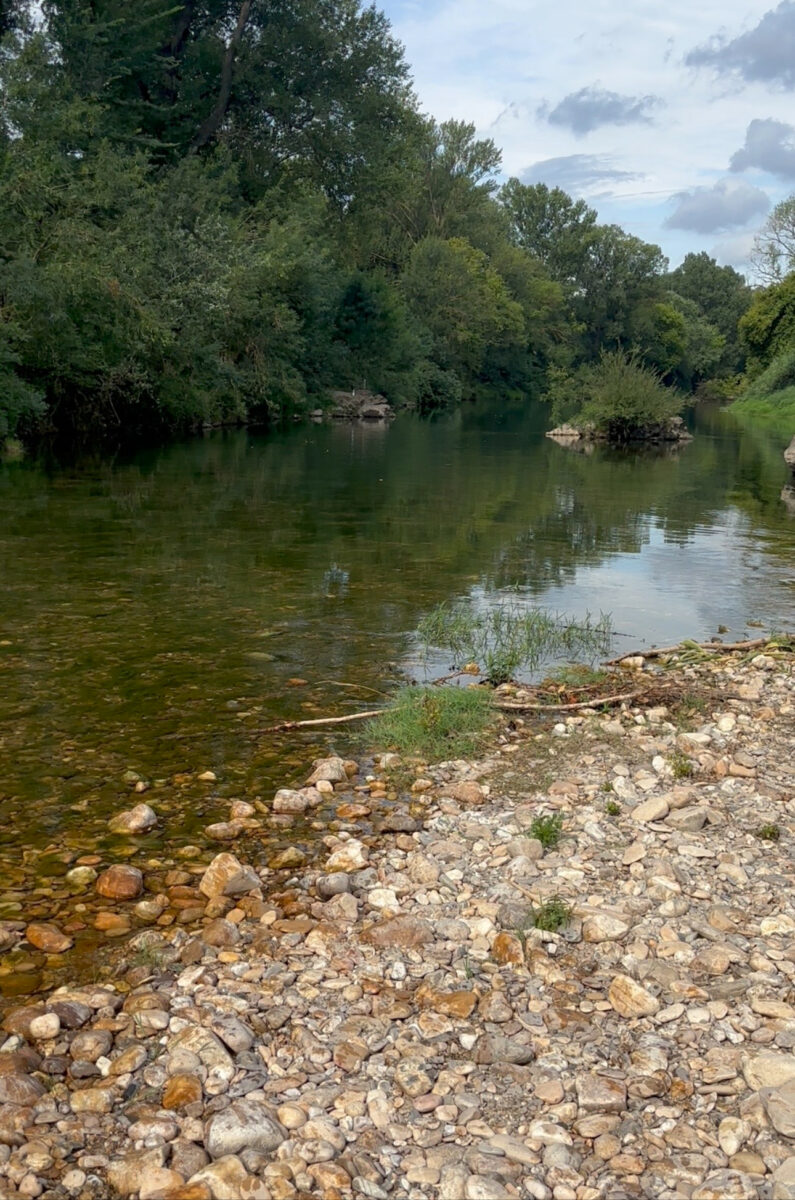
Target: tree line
(218, 210)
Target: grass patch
(434, 723)
(555, 914)
(768, 833)
(547, 830)
(612, 809)
(681, 765)
(510, 637)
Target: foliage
(722, 296)
(774, 248)
(433, 723)
(547, 829)
(505, 638)
(618, 396)
(767, 329)
(769, 832)
(553, 915)
(680, 765)
(613, 808)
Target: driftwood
(285, 726)
(596, 702)
(658, 651)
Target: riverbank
(400, 1021)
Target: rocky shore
(453, 1008)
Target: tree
(773, 255)
(462, 300)
(549, 224)
(767, 329)
(722, 295)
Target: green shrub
(547, 830)
(507, 638)
(618, 396)
(768, 833)
(555, 914)
(612, 809)
(681, 765)
(433, 723)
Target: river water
(156, 610)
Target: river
(157, 609)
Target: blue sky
(673, 120)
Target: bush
(506, 638)
(547, 830)
(433, 723)
(617, 397)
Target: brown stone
(19, 1089)
(450, 1004)
(467, 793)
(506, 948)
(403, 931)
(48, 938)
(120, 882)
(112, 924)
(180, 1091)
(629, 999)
(227, 876)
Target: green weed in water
(510, 637)
(434, 723)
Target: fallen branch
(597, 702)
(285, 726)
(657, 652)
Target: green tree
(774, 248)
(767, 329)
(722, 295)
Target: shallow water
(155, 611)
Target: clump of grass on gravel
(681, 765)
(553, 915)
(768, 833)
(434, 723)
(547, 830)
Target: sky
(674, 120)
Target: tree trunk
(213, 123)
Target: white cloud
(728, 204)
(495, 64)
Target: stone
(180, 1091)
(411, 1078)
(224, 831)
(404, 931)
(452, 1004)
(159, 1182)
(630, 999)
(47, 1026)
(733, 1133)
(603, 927)
(726, 1185)
(91, 1044)
(600, 1093)
(126, 1173)
(783, 1178)
(227, 876)
(328, 770)
(493, 1048)
(779, 1105)
(768, 1069)
(135, 820)
(467, 793)
(350, 856)
(120, 882)
(290, 801)
(654, 809)
(48, 938)
(245, 1125)
(221, 933)
(507, 949)
(19, 1089)
(224, 1178)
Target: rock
(405, 932)
(47, 1026)
(467, 793)
(227, 876)
(733, 1133)
(603, 927)
(19, 1089)
(688, 820)
(334, 884)
(507, 949)
(224, 1178)
(780, 1107)
(120, 882)
(350, 856)
(180, 1091)
(290, 801)
(245, 1125)
(768, 1069)
(651, 810)
(127, 1173)
(224, 831)
(492, 1048)
(328, 770)
(159, 1182)
(221, 933)
(287, 859)
(411, 1078)
(629, 999)
(783, 1177)
(600, 1093)
(135, 820)
(48, 938)
(789, 455)
(726, 1185)
(451, 1004)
